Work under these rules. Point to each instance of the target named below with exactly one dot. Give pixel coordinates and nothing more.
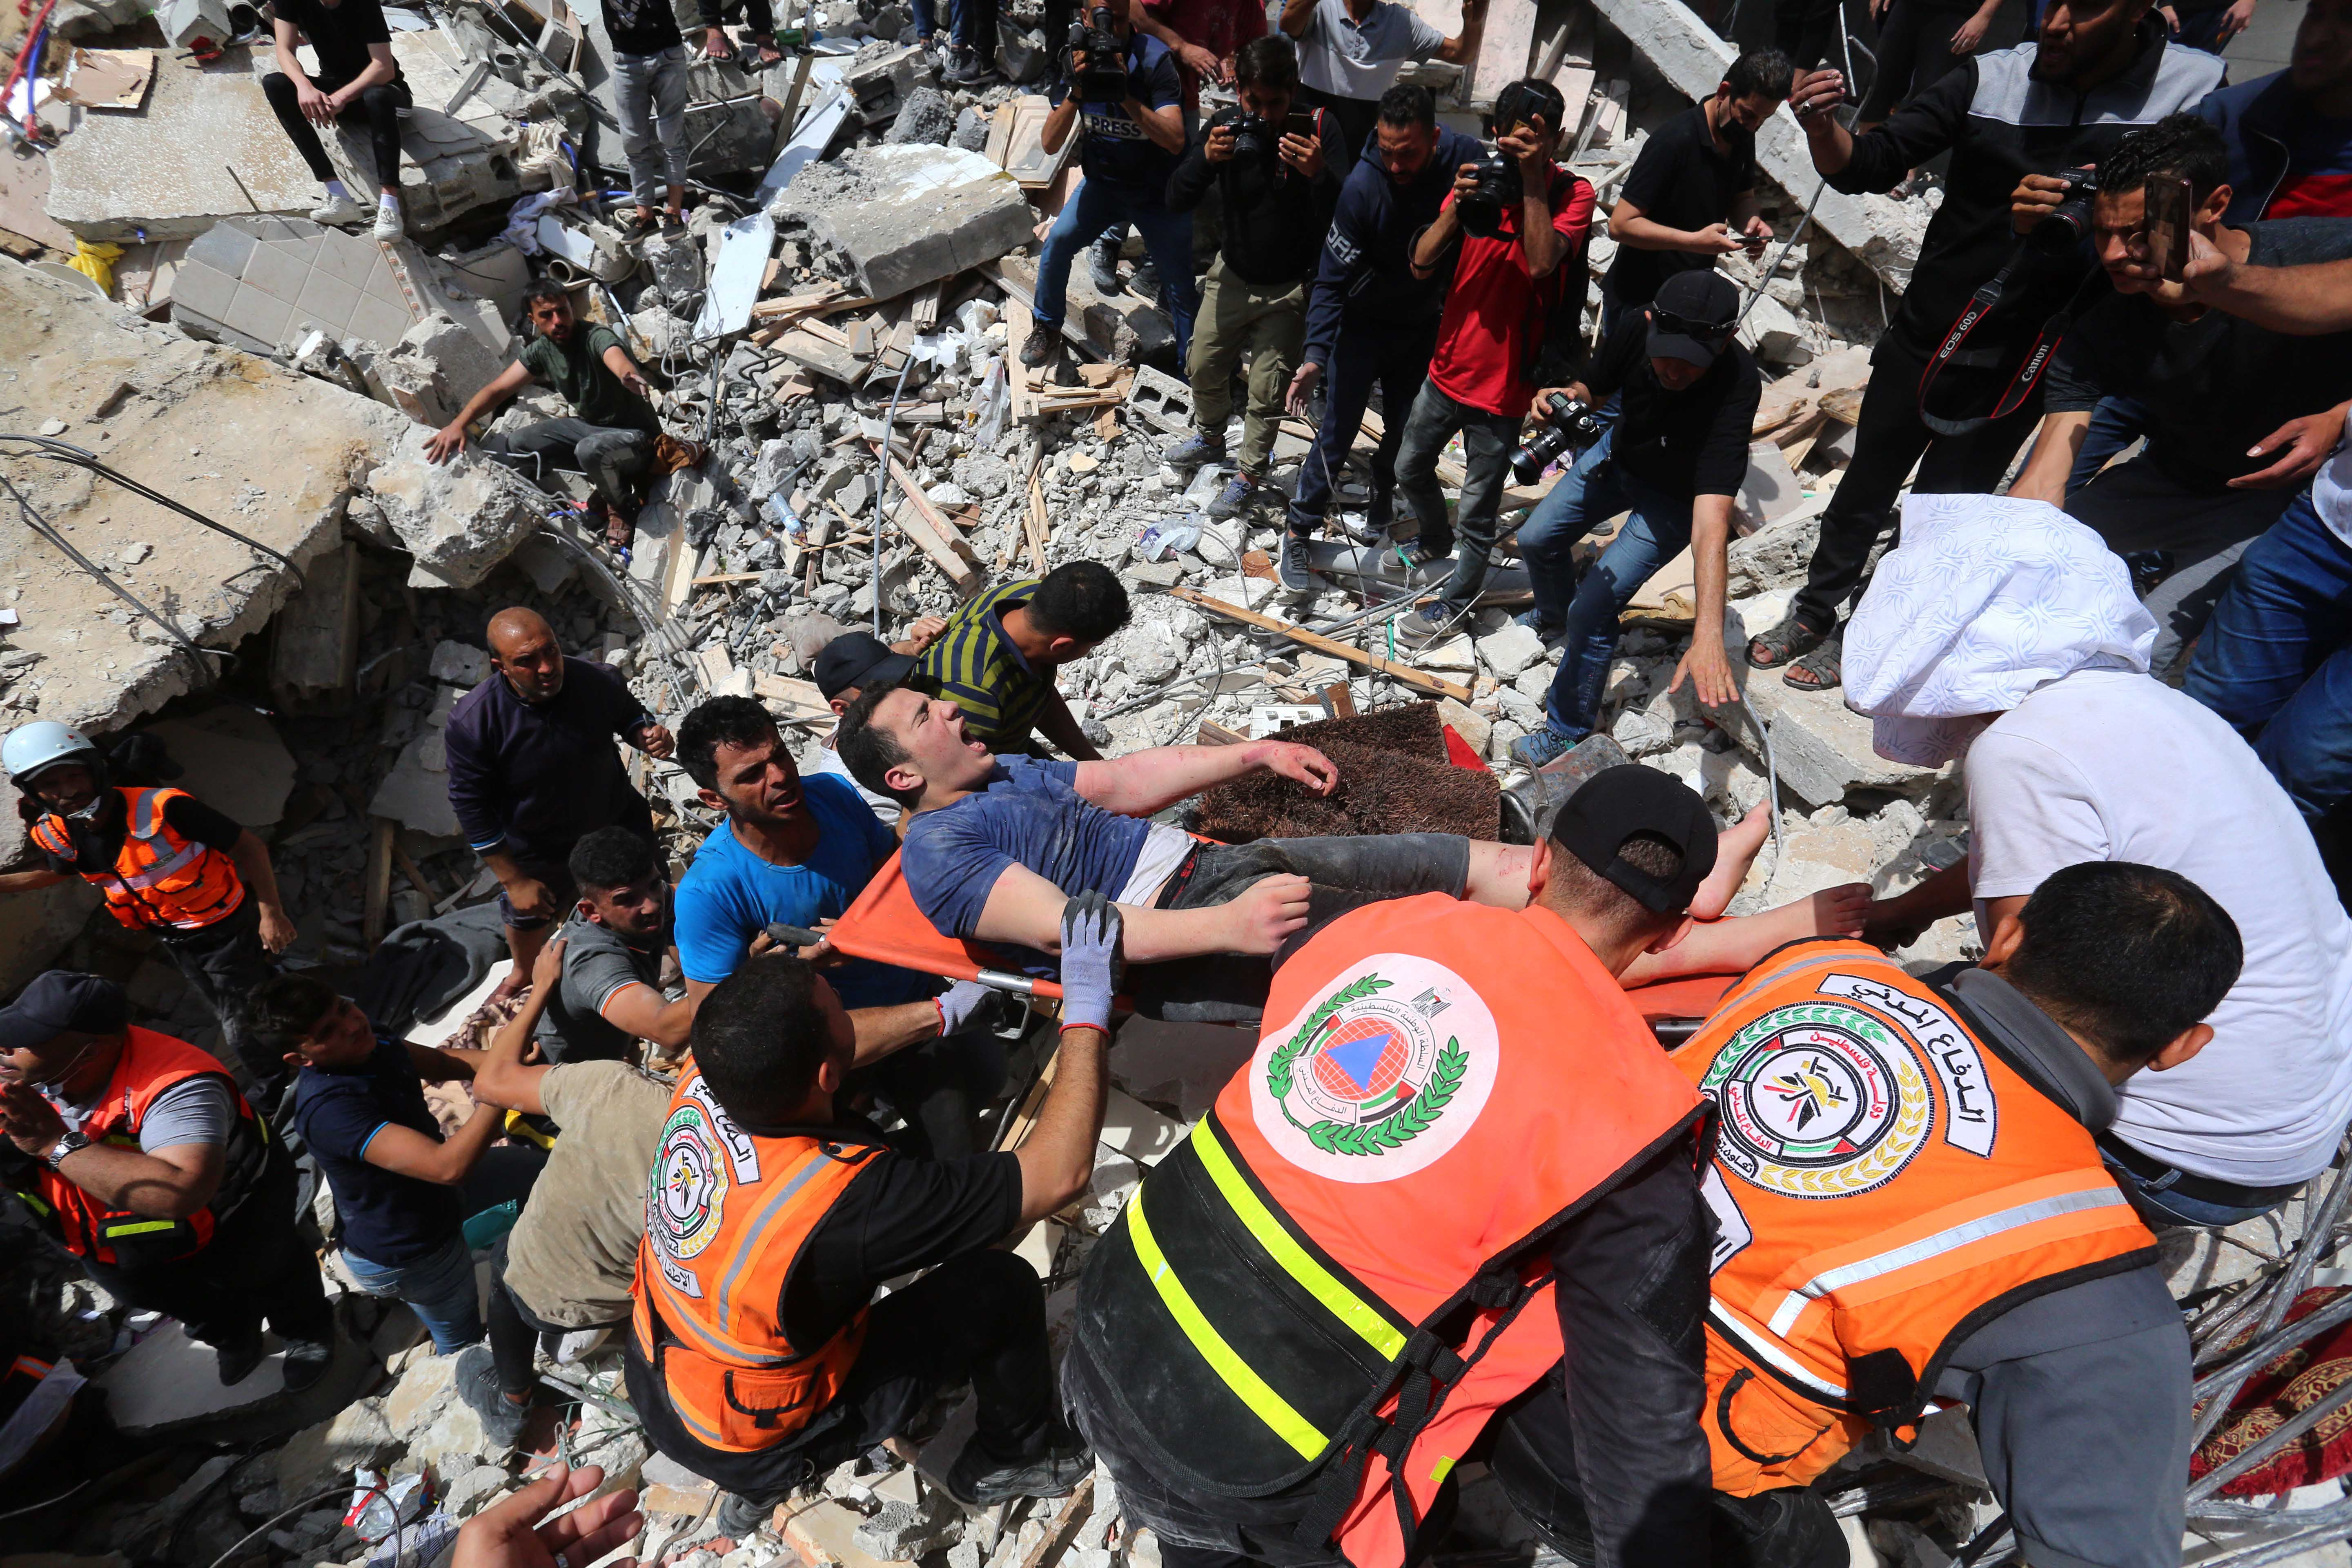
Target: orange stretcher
(884, 925)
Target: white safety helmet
(44, 744)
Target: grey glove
(1091, 925)
(964, 1006)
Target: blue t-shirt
(1029, 812)
(729, 895)
(1115, 148)
(388, 1218)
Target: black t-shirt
(185, 815)
(340, 34)
(388, 1218)
(641, 26)
(2215, 385)
(1688, 442)
(898, 1214)
(1680, 180)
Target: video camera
(1100, 70)
(1565, 421)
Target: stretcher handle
(1000, 980)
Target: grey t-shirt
(199, 1111)
(1348, 58)
(598, 965)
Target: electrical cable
(283, 1514)
(40, 525)
(1773, 793)
(76, 456)
(52, 1502)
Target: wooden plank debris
(794, 702)
(1403, 673)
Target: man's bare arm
(2297, 300)
(1463, 48)
(1141, 783)
(1025, 910)
(1059, 726)
(171, 1184)
(2061, 442)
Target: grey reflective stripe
(1792, 1306)
(744, 1254)
(160, 869)
(146, 817)
(1773, 1354)
(2007, 93)
(1785, 972)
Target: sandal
(1790, 640)
(770, 54)
(1821, 669)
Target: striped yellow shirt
(975, 666)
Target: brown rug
(1393, 778)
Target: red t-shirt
(1495, 311)
(1220, 27)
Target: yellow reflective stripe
(1250, 1389)
(141, 1227)
(1294, 1260)
(1440, 1470)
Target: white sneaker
(338, 211)
(388, 227)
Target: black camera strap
(2028, 375)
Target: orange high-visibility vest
(150, 1064)
(1345, 1270)
(1882, 1183)
(727, 1215)
(158, 877)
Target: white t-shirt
(2110, 765)
(2331, 488)
(821, 758)
(1348, 58)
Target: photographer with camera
(1521, 222)
(1674, 460)
(2097, 70)
(2238, 417)
(1274, 174)
(1124, 86)
(1371, 317)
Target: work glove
(1091, 925)
(967, 1004)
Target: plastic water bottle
(786, 520)
(1168, 536)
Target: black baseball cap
(61, 1000)
(859, 659)
(1693, 316)
(1617, 803)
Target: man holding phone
(2238, 417)
(1277, 184)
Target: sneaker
(1043, 343)
(306, 1363)
(978, 1479)
(964, 67)
(1548, 745)
(1290, 567)
(237, 1358)
(1144, 282)
(337, 212)
(388, 227)
(1102, 263)
(1425, 625)
(478, 1385)
(1235, 498)
(1413, 553)
(1192, 451)
(1550, 631)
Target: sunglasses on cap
(1683, 326)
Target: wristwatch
(74, 1139)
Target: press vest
(150, 1064)
(158, 877)
(1343, 1272)
(728, 1214)
(1883, 1183)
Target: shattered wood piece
(1058, 1534)
(716, 578)
(935, 536)
(925, 313)
(1215, 734)
(793, 701)
(829, 360)
(416, 878)
(1000, 132)
(1015, 1130)
(861, 338)
(1100, 375)
(1106, 424)
(379, 881)
(1337, 701)
(792, 304)
(826, 332)
(1034, 524)
(1403, 673)
(716, 667)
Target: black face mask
(98, 833)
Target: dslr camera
(1481, 208)
(1565, 421)
(1100, 61)
(2068, 224)
(1255, 137)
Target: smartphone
(2167, 223)
(1299, 122)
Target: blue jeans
(1660, 527)
(1167, 237)
(2274, 660)
(2152, 1197)
(438, 1286)
(2115, 423)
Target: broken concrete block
(233, 762)
(1510, 650)
(1160, 401)
(1821, 747)
(880, 85)
(315, 653)
(1770, 490)
(924, 118)
(1776, 555)
(169, 1380)
(1772, 333)
(447, 169)
(1475, 729)
(904, 216)
(356, 1437)
(458, 519)
(459, 664)
(164, 173)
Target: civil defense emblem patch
(1819, 1101)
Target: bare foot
(1832, 911)
(1735, 851)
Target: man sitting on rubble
(614, 429)
(998, 846)
(757, 1356)
(608, 994)
(2006, 631)
(796, 851)
(996, 659)
(357, 78)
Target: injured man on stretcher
(996, 847)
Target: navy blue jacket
(531, 781)
(1366, 271)
(2256, 118)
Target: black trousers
(610, 454)
(1888, 439)
(938, 1087)
(226, 963)
(256, 1269)
(1915, 49)
(379, 105)
(1395, 359)
(980, 1319)
(515, 1329)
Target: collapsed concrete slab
(233, 761)
(458, 519)
(430, 372)
(263, 283)
(1881, 232)
(904, 216)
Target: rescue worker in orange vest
(167, 863)
(1456, 1149)
(137, 1153)
(1909, 1207)
(756, 1356)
